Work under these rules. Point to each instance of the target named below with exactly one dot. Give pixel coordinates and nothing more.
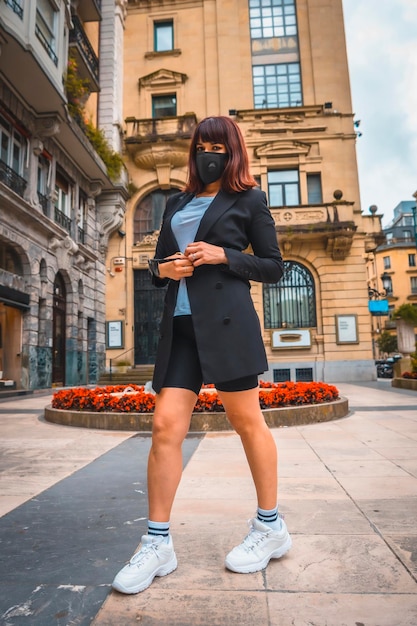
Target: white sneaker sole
(250, 568)
(164, 570)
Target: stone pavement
(73, 506)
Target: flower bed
(134, 398)
(411, 375)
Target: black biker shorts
(184, 369)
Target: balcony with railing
(10, 178)
(62, 219)
(159, 128)
(86, 58)
(16, 7)
(43, 201)
(332, 223)
(154, 143)
(81, 235)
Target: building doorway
(149, 305)
(59, 331)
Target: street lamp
(386, 283)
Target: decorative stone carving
(300, 216)
(47, 126)
(111, 208)
(64, 250)
(162, 78)
(339, 247)
(282, 148)
(148, 240)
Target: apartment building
(279, 68)
(392, 268)
(58, 201)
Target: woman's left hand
(202, 253)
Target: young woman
(210, 333)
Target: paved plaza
(73, 509)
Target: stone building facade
(58, 205)
(392, 267)
(279, 68)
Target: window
(149, 211)
(413, 281)
(282, 375)
(42, 184)
(163, 34)
(387, 262)
(291, 303)
(17, 6)
(314, 191)
(304, 374)
(283, 188)
(10, 260)
(411, 260)
(164, 106)
(277, 86)
(407, 235)
(46, 26)
(62, 202)
(13, 146)
(272, 18)
(82, 216)
(390, 237)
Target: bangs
(213, 130)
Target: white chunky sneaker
(259, 546)
(156, 557)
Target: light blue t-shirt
(185, 225)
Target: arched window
(291, 303)
(10, 260)
(149, 211)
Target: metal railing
(15, 6)
(10, 178)
(43, 201)
(81, 235)
(117, 359)
(46, 44)
(62, 219)
(77, 36)
(181, 126)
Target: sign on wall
(114, 334)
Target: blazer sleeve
(162, 249)
(265, 264)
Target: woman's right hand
(179, 267)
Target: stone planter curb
(405, 383)
(200, 422)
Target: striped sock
(269, 517)
(158, 529)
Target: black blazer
(226, 325)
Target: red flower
(133, 399)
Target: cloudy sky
(381, 38)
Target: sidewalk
(348, 490)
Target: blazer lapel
(221, 203)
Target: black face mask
(210, 166)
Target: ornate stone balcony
(333, 223)
(160, 143)
(148, 130)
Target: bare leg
(245, 415)
(173, 410)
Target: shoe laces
(145, 553)
(254, 537)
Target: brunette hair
(236, 176)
